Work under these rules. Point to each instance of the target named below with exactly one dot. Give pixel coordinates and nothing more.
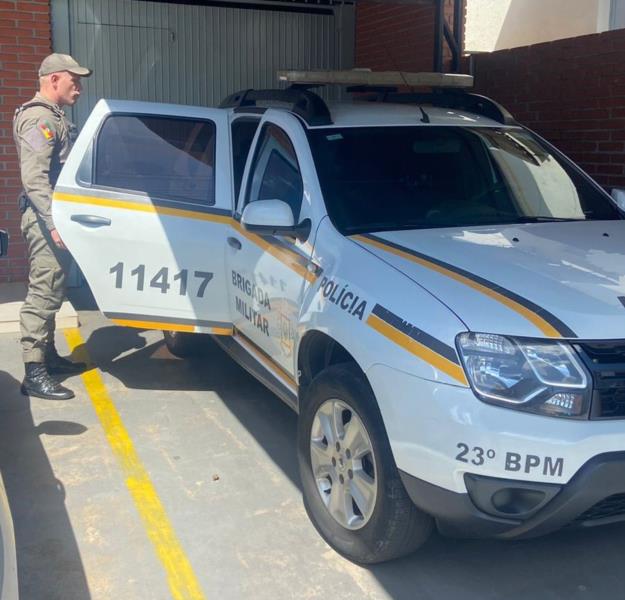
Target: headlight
(543, 377)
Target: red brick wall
(570, 91)
(396, 37)
(25, 39)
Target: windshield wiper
(544, 219)
(508, 220)
(379, 227)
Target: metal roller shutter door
(196, 53)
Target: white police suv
(437, 291)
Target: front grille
(608, 404)
(605, 353)
(606, 362)
(612, 506)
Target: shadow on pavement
(564, 565)
(48, 559)
(125, 354)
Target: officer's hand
(56, 238)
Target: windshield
(385, 178)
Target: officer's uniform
(43, 137)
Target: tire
(371, 527)
(183, 344)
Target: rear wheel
(352, 489)
(183, 344)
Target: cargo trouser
(46, 288)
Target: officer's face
(68, 88)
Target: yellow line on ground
(180, 576)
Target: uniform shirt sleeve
(37, 135)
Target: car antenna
(424, 116)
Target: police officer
(44, 136)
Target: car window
(163, 157)
(243, 132)
(275, 174)
(384, 178)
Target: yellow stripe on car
(142, 207)
(423, 352)
(285, 256)
(290, 259)
(166, 326)
(548, 329)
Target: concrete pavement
(220, 452)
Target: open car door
(144, 204)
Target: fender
(370, 310)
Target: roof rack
(304, 103)
(449, 92)
(456, 100)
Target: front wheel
(352, 490)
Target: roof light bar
(377, 78)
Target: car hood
(564, 279)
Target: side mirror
(273, 217)
(4, 242)
(618, 195)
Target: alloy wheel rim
(343, 464)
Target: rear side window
(163, 157)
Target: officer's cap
(62, 62)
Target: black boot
(38, 383)
(57, 365)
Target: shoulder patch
(46, 128)
(40, 135)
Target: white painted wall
(498, 24)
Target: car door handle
(234, 243)
(92, 220)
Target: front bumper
(440, 432)
(512, 509)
